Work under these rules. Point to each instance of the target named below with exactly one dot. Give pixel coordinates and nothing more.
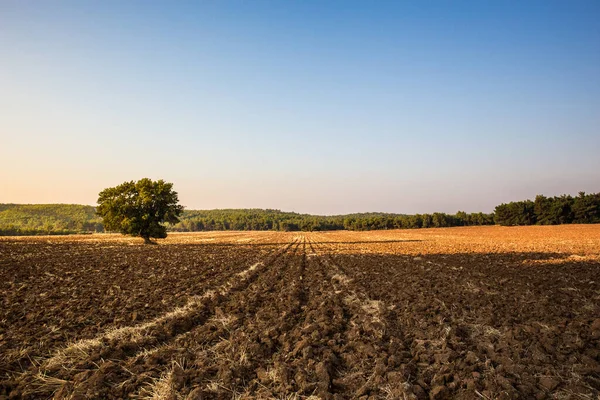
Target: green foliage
(516, 213)
(64, 219)
(48, 219)
(565, 209)
(256, 219)
(139, 208)
(586, 208)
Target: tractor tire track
(224, 355)
(374, 357)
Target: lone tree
(139, 208)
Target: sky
(324, 107)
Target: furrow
(81, 359)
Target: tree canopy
(565, 209)
(139, 208)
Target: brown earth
(465, 313)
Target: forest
(257, 219)
(58, 219)
(558, 210)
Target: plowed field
(466, 313)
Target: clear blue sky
(309, 106)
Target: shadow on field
(542, 278)
(509, 319)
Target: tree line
(45, 219)
(258, 219)
(565, 209)
(58, 219)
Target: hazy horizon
(320, 214)
(321, 108)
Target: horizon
(319, 215)
(323, 109)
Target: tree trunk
(147, 240)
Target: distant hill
(48, 219)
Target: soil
(489, 312)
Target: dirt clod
(549, 383)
